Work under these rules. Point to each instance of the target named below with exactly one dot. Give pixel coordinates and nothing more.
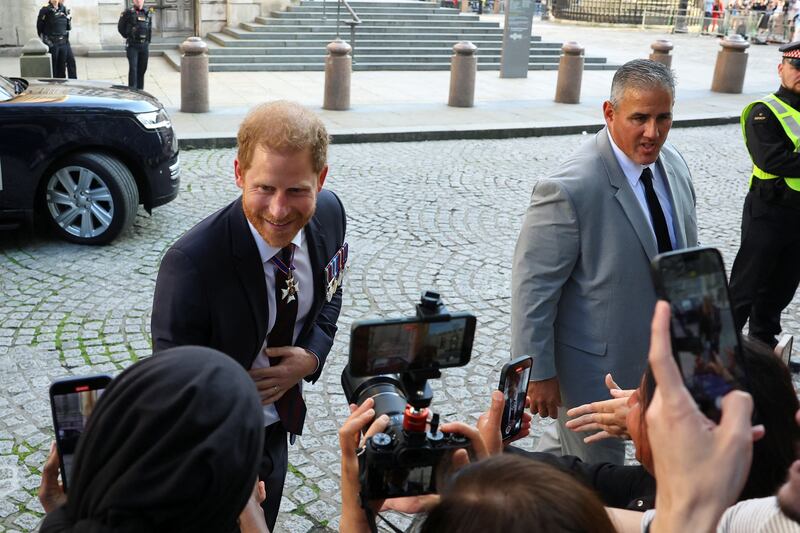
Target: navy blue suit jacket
(211, 290)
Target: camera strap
(370, 514)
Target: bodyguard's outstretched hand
(700, 466)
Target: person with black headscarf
(172, 446)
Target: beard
(276, 237)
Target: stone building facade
(94, 22)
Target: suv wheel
(91, 198)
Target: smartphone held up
(514, 380)
(72, 401)
(705, 343)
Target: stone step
(118, 50)
(377, 58)
(331, 8)
(248, 30)
(227, 40)
(365, 17)
(363, 49)
(358, 4)
(314, 25)
(359, 66)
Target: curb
(345, 137)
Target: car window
(7, 91)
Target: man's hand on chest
(273, 382)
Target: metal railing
(750, 24)
(353, 22)
(638, 12)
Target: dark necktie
(656, 213)
(291, 407)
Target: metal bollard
(570, 72)
(194, 76)
(661, 49)
(463, 68)
(731, 65)
(338, 66)
(35, 61)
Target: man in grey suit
(582, 296)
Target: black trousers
(272, 471)
(138, 54)
(58, 55)
(72, 70)
(766, 271)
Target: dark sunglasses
(793, 61)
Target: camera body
(405, 463)
(406, 458)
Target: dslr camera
(391, 362)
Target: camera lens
(385, 390)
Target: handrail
(353, 22)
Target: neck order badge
(285, 264)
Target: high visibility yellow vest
(790, 120)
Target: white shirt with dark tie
(305, 297)
(633, 173)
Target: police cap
(791, 53)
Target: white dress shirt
(633, 171)
(305, 297)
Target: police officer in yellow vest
(766, 271)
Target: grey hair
(641, 74)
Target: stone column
(661, 52)
(194, 76)
(570, 72)
(731, 65)
(35, 61)
(463, 68)
(338, 67)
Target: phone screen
(514, 385)
(704, 340)
(398, 346)
(73, 401)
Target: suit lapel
(625, 196)
(248, 266)
(668, 171)
(317, 258)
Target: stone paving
(437, 215)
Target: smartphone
(72, 401)
(705, 342)
(407, 344)
(514, 380)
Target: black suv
(83, 155)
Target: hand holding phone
(72, 401)
(514, 378)
(705, 343)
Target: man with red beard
(260, 279)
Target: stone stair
(393, 35)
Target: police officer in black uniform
(72, 70)
(53, 25)
(766, 271)
(135, 24)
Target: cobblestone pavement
(436, 215)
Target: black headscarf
(173, 445)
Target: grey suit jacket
(582, 294)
